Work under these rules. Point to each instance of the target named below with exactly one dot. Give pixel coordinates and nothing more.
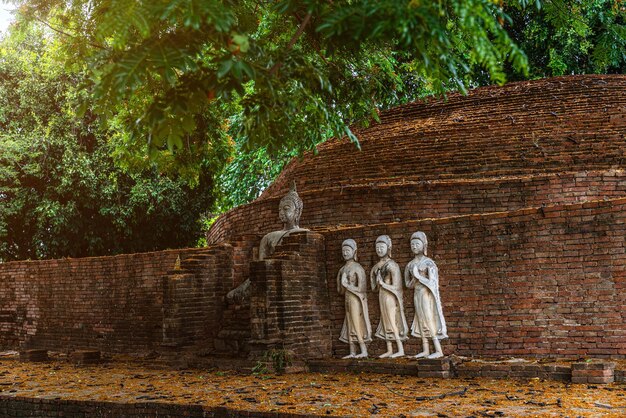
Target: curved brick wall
(534, 282)
(396, 202)
(550, 125)
(498, 149)
(522, 192)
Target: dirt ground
(312, 393)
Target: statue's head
(383, 246)
(290, 208)
(419, 243)
(348, 249)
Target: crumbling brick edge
(18, 406)
(593, 371)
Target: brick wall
(551, 125)
(533, 282)
(14, 406)
(108, 303)
(402, 201)
(289, 299)
(193, 297)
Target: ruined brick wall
(558, 140)
(533, 282)
(553, 125)
(289, 299)
(193, 297)
(109, 303)
(20, 406)
(399, 201)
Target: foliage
(279, 358)
(233, 89)
(60, 192)
(247, 175)
(292, 72)
(564, 37)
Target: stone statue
(289, 211)
(385, 277)
(422, 275)
(352, 282)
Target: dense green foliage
(291, 72)
(571, 37)
(60, 192)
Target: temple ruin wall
(109, 303)
(533, 282)
(396, 202)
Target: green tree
(60, 192)
(291, 72)
(571, 37)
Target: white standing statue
(421, 274)
(385, 277)
(352, 282)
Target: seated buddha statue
(289, 211)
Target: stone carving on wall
(422, 275)
(289, 211)
(352, 282)
(386, 278)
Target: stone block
(430, 373)
(34, 355)
(593, 365)
(470, 372)
(600, 380)
(592, 373)
(498, 374)
(434, 365)
(85, 357)
(561, 377)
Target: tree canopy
(60, 192)
(275, 74)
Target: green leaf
(224, 67)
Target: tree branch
(292, 41)
(59, 31)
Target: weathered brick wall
(109, 303)
(289, 299)
(193, 297)
(551, 125)
(533, 282)
(402, 201)
(14, 406)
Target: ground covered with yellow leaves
(311, 393)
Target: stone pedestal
(34, 355)
(82, 357)
(433, 368)
(599, 372)
(289, 302)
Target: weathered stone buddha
(386, 279)
(289, 211)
